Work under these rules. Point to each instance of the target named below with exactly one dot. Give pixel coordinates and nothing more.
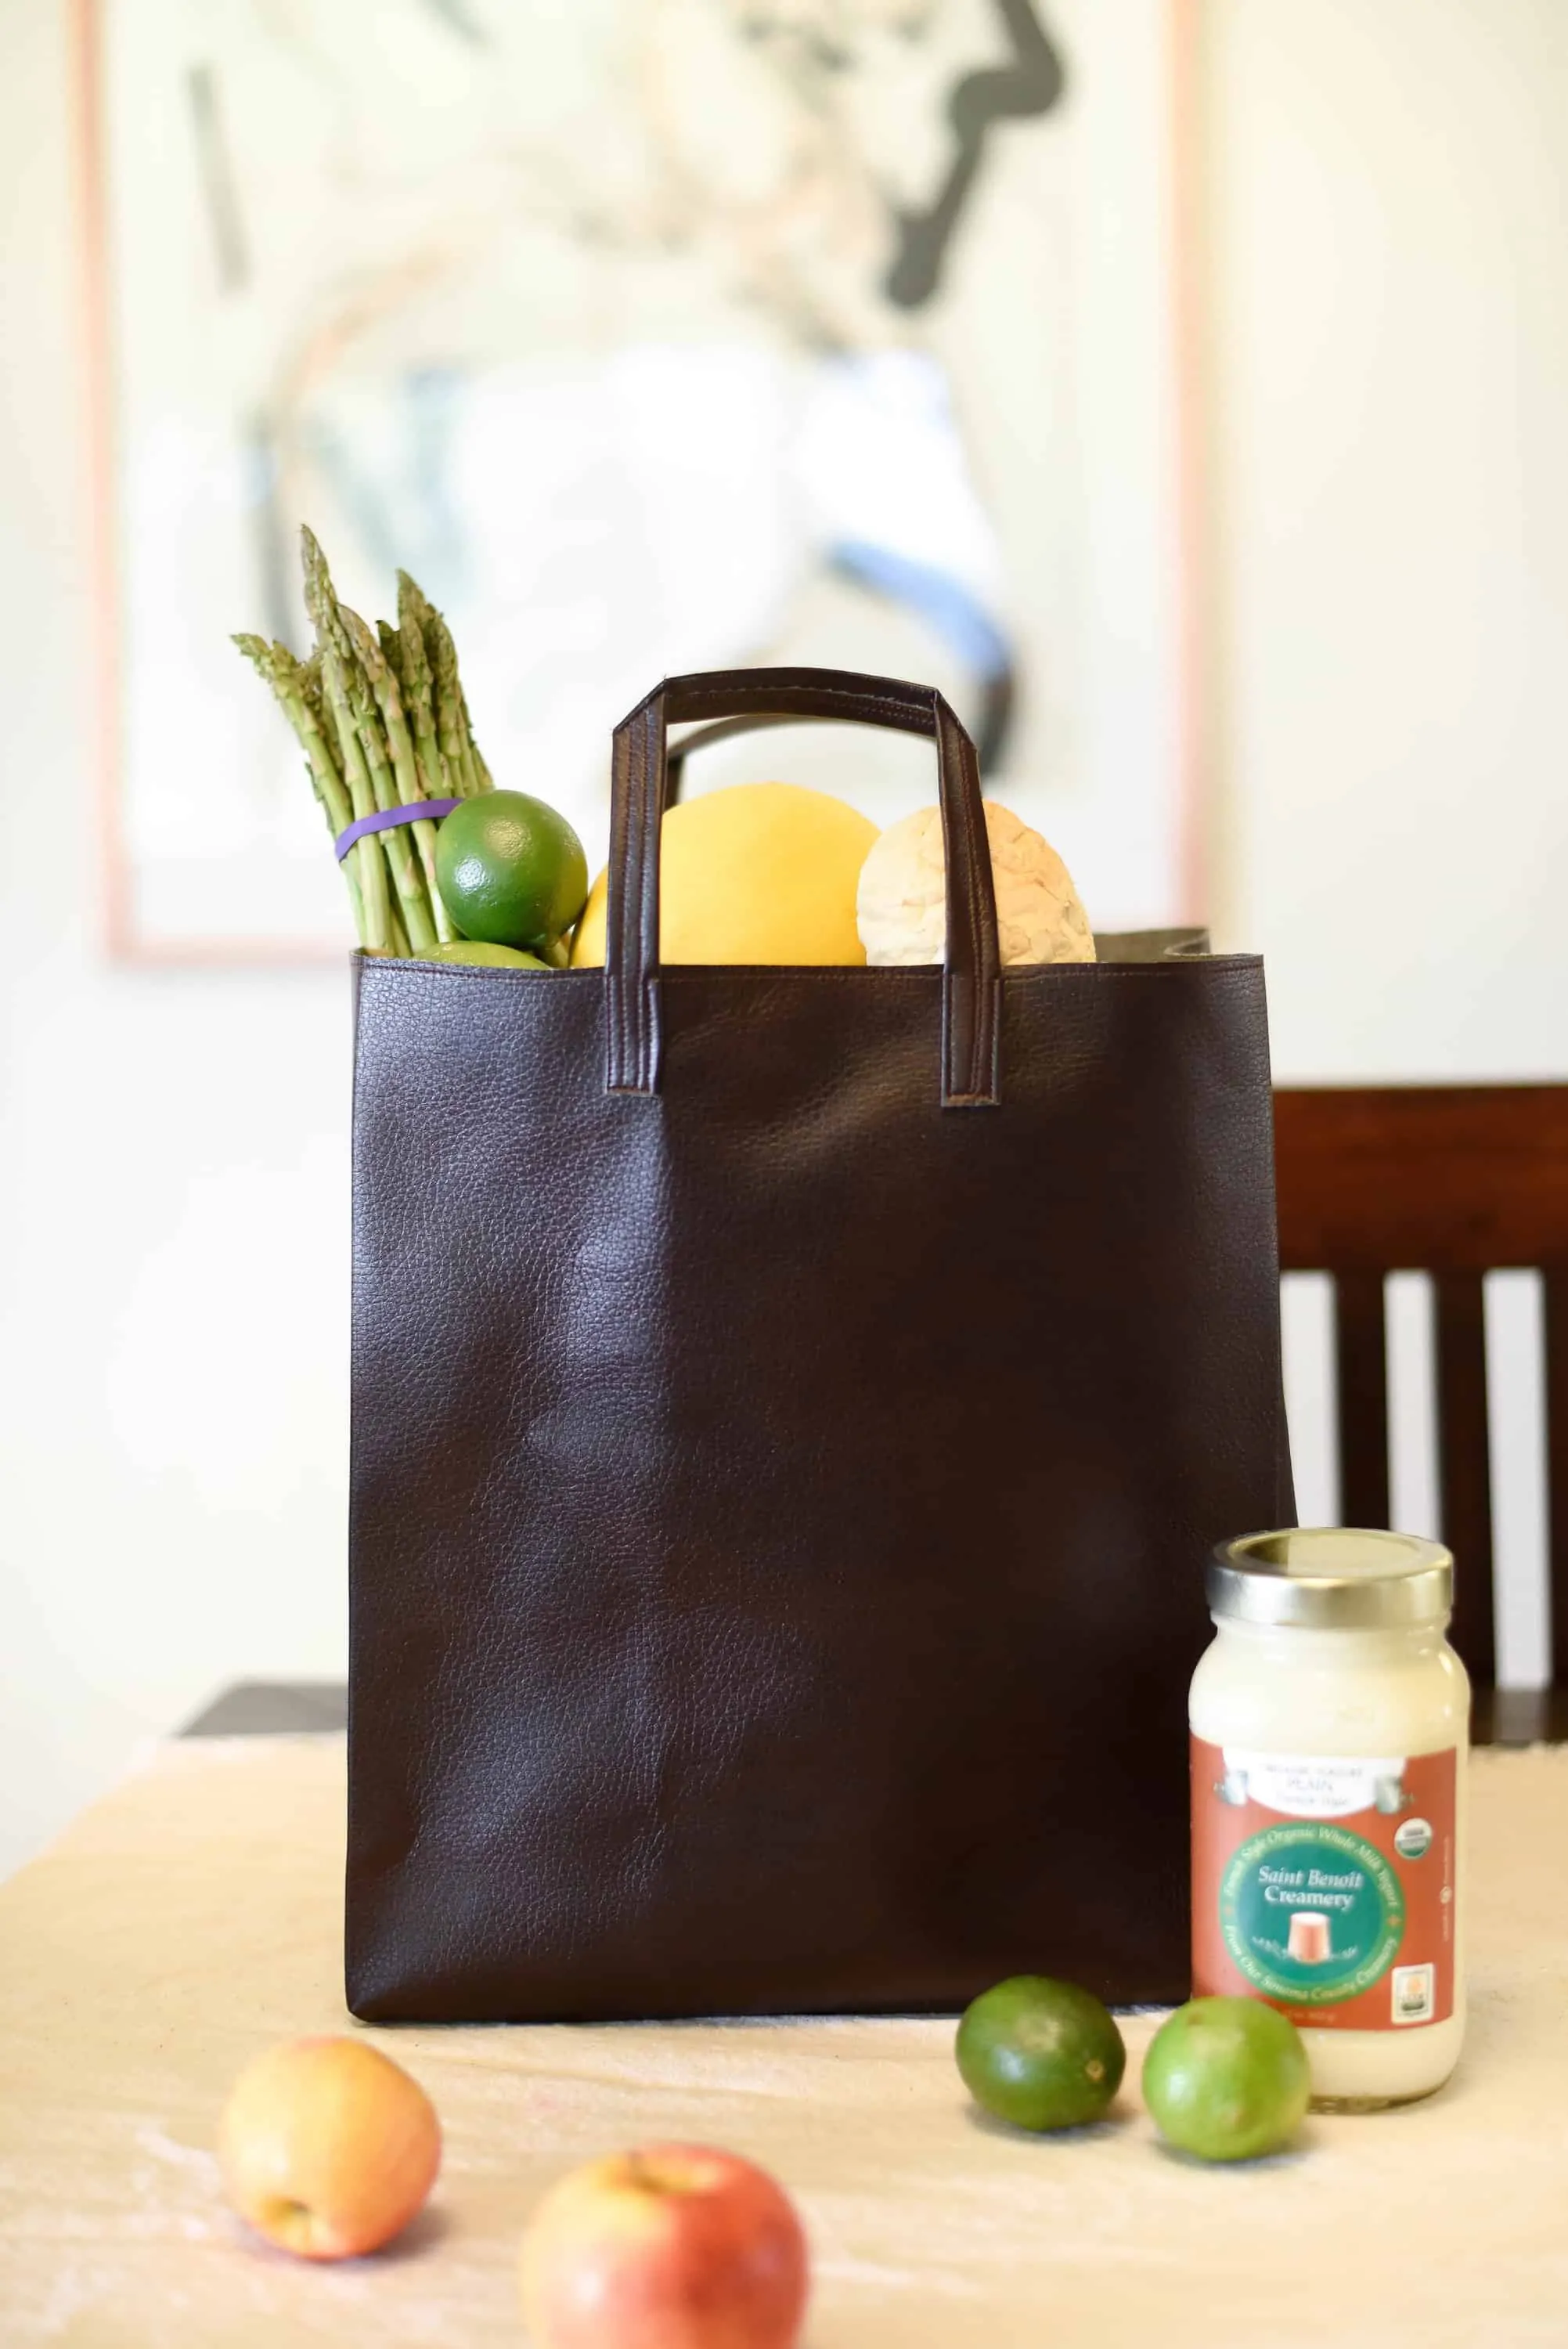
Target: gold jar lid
(1333, 1579)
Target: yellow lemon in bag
(759, 872)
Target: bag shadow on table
(791, 1411)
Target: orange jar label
(1325, 1884)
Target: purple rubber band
(385, 818)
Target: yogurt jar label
(1325, 1884)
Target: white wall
(1386, 185)
(1390, 314)
(1388, 358)
(173, 1279)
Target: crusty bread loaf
(900, 909)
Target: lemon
(1043, 2054)
(760, 873)
(1226, 2079)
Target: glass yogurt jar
(1330, 1724)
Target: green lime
(477, 950)
(1041, 2054)
(1226, 2078)
(511, 871)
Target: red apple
(670, 2247)
(328, 2146)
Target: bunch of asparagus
(382, 723)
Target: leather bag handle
(640, 783)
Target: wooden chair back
(1456, 1181)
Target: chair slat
(1457, 1181)
(1465, 1467)
(1555, 1284)
(1439, 1178)
(1361, 1357)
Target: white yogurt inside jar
(1330, 1724)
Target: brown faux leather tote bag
(791, 1412)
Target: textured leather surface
(779, 1504)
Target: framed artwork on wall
(649, 335)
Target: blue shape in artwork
(944, 603)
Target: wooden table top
(195, 1915)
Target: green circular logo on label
(1311, 1913)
